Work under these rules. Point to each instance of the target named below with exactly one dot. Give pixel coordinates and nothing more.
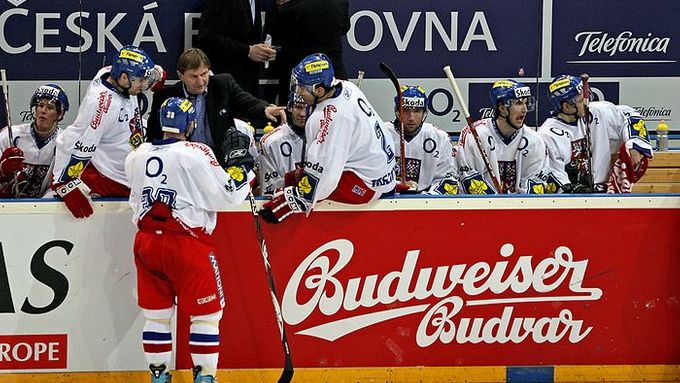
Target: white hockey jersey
(518, 160)
(612, 126)
(188, 178)
(429, 159)
(281, 152)
(345, 133)
(34, 179)
(107, 128)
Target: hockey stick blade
(287, 373)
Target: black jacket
(223, 94)
(225, 34)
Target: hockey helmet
(315, 69)
(293, 99)
(413, 97)
(54, 94)
(506, 91)
(564, 88)
(135, 62)
(177, 115)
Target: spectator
(91, 152)
(430, 163)
(217, 99)
(303, 27)
(350, 157)
(177, 189)
(283, 149)
(28, 158)
(582, 137)
(512, 156)
(230, 33)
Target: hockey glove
(76, 197)
(576, 189)
(284, 202)
(235, 148)
(409, 187)
(160, 77)
(11, 161)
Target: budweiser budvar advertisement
(454, 287)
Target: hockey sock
(157, 337)
(204, 342)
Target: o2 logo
(440, 102)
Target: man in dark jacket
(217, 99)
(303, 27)
(230, 33)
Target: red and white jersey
(345, 133)
(612, 126)
(37, 160)
(429, 156)
(518, 160)
(281, 152)
(187, 177)
(107, 128)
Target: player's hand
(236, 147)
(261, 53)
(576, 189)
(76, 197)
(408, 187)
(161, 75)
(274, 113)
(11, 161)
(284, 203)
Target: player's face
(413, 117)
(46, 116)
(299, 114)
(518, 111)
(306, 94)
(196, 80)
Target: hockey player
(581, 134)
(32, 151)
(349, 156)
(177, 187)
(91, 152)
(430, 164)
(514, 153)
(283, 149)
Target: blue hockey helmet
(54, 93)
(177, 115)
(133, 61)
(315, 69)
(564, 88)
(506, 91)
(413, 97)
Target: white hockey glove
(285, 202)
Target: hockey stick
(587, 119)
(470, 122)
(360, 78)
(10, 136)
(287, 374)
(402, 142)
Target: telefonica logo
(602, 43)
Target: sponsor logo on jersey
(74, 168)
(85, 149)
(307, 187)
(358, 302)
(384, 180)
(325, 122)
(205, 150)
(102, 108)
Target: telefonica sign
(601, 43)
